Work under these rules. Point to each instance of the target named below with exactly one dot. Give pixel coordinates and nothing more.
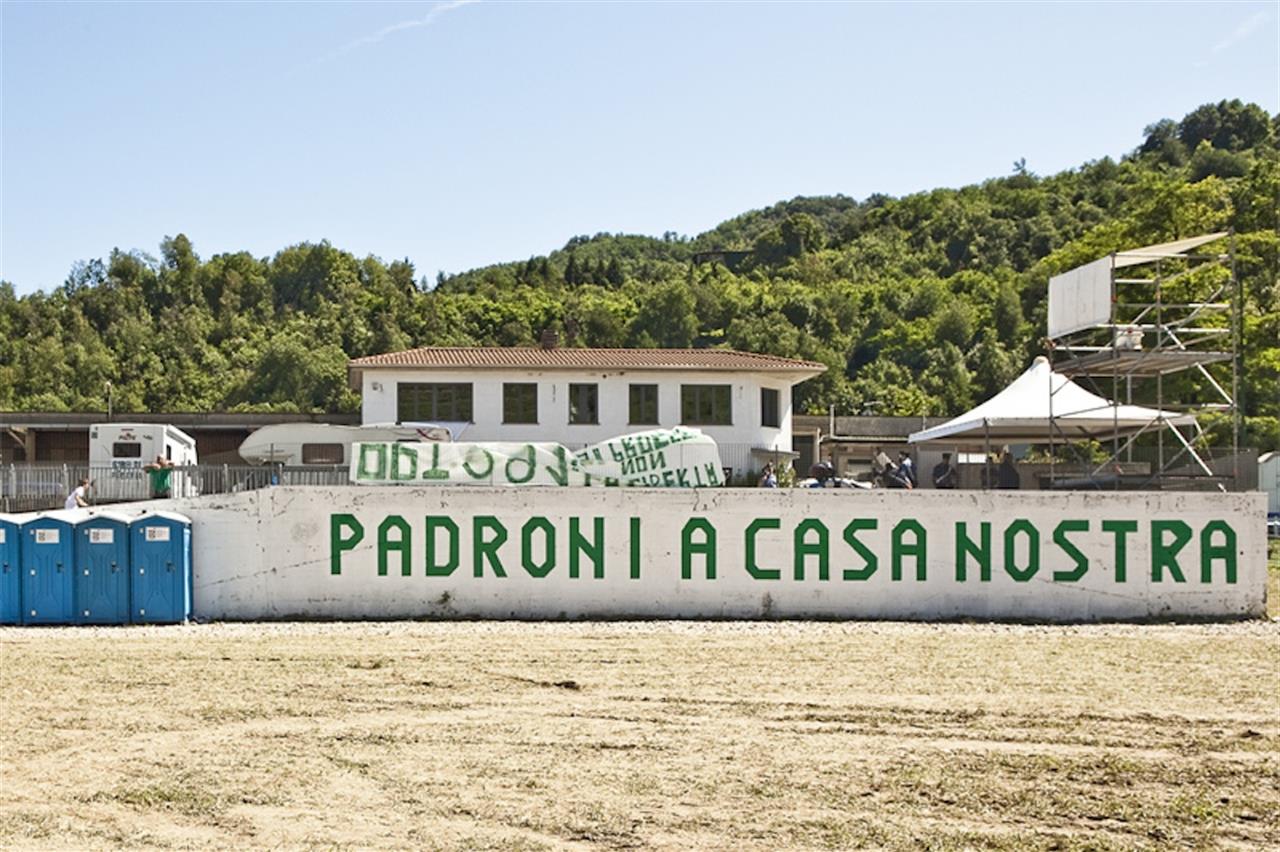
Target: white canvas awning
(1019, 414)
(1146, 254)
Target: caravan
(326, 444)
(118, 452)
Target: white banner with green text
(657, 458)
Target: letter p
(345, 532)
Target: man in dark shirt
(1007, 474)
(945, 474)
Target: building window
(769, 407)
(644, 405)
(432, 402)
(519, 402)
(706, 405)
(322, 453)
(584, 404)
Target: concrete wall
(322, 553)
(379, 404)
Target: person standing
(768, 479)
(1007, 474)
(160, 472)
(945, 474)
(908, 467)
(79, 497)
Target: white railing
(45, 485)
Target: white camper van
(326, 444)
(119, 451)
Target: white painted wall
(379, 404)
(1269, 479)
(267, 554)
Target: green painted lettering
(1021, 575)
(1060, 539)
(435, 471)
(487, 550)
(965, 548)
(400, 455)
(535, 567)
(339, 543)
(915, 549)
(1210, 551)
(377, 453)
(1120, 529)
(560, 473)
(818, 547)
(579, 544)
(869, 560)
(1166, 555)
(753, 529)
(478, 462)
(635, 548)
(435, 524)
(525, 459)
(400, 544)
(690, 548)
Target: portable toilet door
(102, 569)
(160, 551)
(10, 570)
(48, 558)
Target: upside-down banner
(658, 458)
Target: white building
(580, 396)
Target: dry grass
(648, 735)
(1273, 577)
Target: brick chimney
(550, 340)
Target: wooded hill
(923, 304)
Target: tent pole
(986, 455)
(1049, 354)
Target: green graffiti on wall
(1020, 549)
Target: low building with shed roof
(578, 396)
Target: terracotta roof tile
(537, 357)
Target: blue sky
(460, 134)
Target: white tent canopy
(1019, 414)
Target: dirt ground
(641, 735)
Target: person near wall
(945, 474)
(1007, 474)
(768, 479)
(79, 497)
(160, 472)
(908, 467)
(895, 475)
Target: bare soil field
(641, 735)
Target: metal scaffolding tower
(1124, 323)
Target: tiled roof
(537, 357)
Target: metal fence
(1155, 469)
(37, 486)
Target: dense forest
(924, 304)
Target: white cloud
(1250, 26)
(413, 23)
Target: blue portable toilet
(48, 559)
(10, 569)
(160, 583)
(102, 569)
